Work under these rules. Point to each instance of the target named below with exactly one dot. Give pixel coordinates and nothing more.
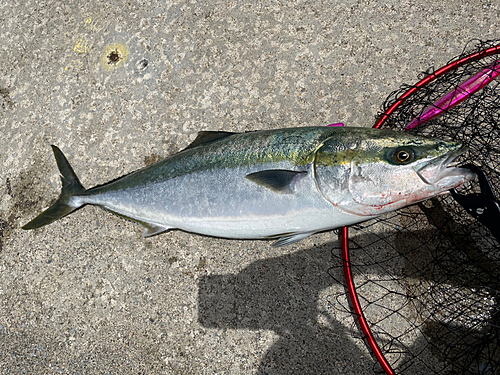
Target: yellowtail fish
(284, 184)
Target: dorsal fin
(206, 137)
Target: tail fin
(70, 186)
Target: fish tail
(71, 186)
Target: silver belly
(224, 203)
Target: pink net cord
(462, 92)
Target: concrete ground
(118, 85)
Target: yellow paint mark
(74, 64)
(114, 56)
(92, 25)
(81, 45)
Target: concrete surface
(117, 85)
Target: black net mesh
(428, 276)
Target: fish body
(285, 183)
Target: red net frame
(344, 234)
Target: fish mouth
(440, 169)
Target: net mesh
(428, 276)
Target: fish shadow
(281, 294)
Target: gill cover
(371, 176)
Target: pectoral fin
(278, 180)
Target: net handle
(356, 306)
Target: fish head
(375, 171)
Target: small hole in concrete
(113, 57)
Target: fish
(281, 184)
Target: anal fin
(150, 229)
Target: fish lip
(439, 168)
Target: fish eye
(403, 155)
